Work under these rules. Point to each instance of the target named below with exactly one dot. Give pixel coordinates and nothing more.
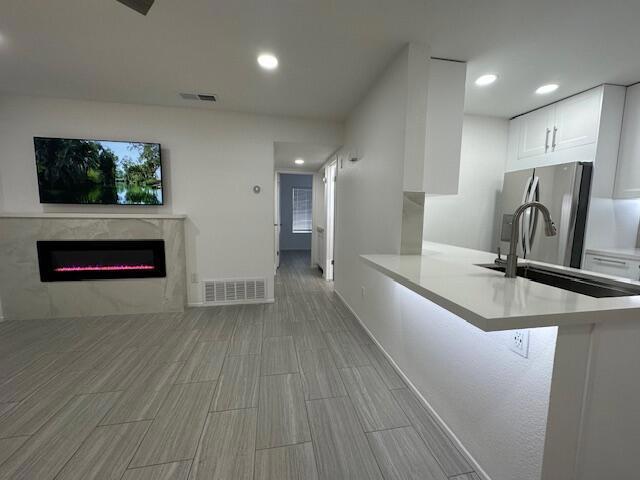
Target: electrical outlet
(363, 291)
(194, 278)
(520, 342)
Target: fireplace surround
(75, 260)
(23, 294)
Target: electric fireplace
(72, 260)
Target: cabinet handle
(553, 141)
(608, 260)
(546, 141)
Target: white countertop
(623, 253)
(94, 215)
(448, 276)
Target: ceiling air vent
(205, 97)
(234, 291)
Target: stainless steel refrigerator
(564, 190)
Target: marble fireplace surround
(23, 296)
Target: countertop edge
(504, 323)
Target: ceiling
(313, 155)
(330, 51)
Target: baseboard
(220, 304)
(452, 436)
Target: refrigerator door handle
(532, 224)
(524, 236)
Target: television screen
(98, 171)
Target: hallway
(291, 390)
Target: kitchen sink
(598, 288)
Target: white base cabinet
(618, 267)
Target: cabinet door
(612, 266)
(535, 132)
(628, 175)
(577, 120)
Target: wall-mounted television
(98, 171)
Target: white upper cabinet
(628, 175)
(535, 132)
(577, 129)
(576, 121)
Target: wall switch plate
(363, 291)
(520, 342)
(194, 278)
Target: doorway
(295, 212)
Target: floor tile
(346, 351)
(238, 383)
(175, 432)
(374, 404)
(247, 337)
(320, 377)
(106, 452)
(221, 327)
(165, 471)
(402, 455)
(9, 445)
(466, 476)
(443, 449)
(294, 462)
(282, 417)
(227, 448)
(278, 356)
(45, 453)
(308, 336)
(204, 363)
(342, 450)
(33, 412)
(388, 374)
(143, 398)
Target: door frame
(277, 224)
(331, 176)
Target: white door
(276, 220)
(576, 121)
(535, 132)
(331, 171)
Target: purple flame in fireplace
(103, 268)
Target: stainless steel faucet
(511, 264)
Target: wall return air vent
(217, 292)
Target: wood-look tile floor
(290, 390)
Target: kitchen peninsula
(564, 400)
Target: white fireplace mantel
(158, 216)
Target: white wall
(450, 219)
(211, 162)
(369, 192)
(494, 401)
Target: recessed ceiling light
(552, 87)
(298, 161)
(487, 79)
(268, 61)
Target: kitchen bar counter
(449, 277)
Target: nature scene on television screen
(97, 171)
